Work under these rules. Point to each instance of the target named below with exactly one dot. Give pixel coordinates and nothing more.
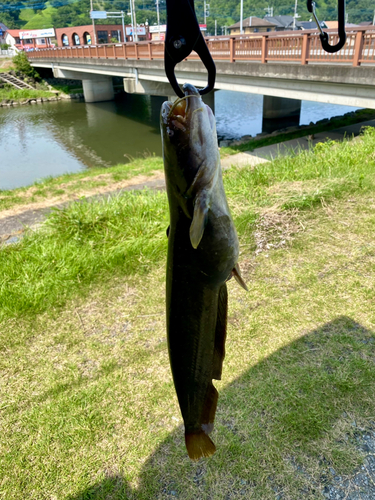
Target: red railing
(299, 47)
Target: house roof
(14, 33)
(281, 21)
(3, 27)
(253, 22)
(332, 24)
(311, 25)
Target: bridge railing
(300, 47)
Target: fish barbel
(202, 255)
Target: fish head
(189, 138)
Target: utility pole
(158, 14)
(134, 26)
(241, 18)
(135, 22)
(269, 11)
(373, 21)
(215, 27)
(123, 25)
(93, 23)
(295, 15)
(206, 7)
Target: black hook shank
(324, 38)
(182, 37)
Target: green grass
(72, 184)
(88, 408)
(85, 242)
(20, 94)
(69, 89)
(4, 70)
(82, 242)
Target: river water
(69, 136)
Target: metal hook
(324, 36)
(182, 37)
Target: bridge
(285, 67)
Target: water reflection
(55, 138)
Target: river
(69, 136)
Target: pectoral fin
(220, 333)
(237, 276)
(200, 218)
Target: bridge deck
(301, 47)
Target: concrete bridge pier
(280, 112)
(96, 88)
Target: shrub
(22, 64)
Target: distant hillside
(59, 13)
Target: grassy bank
(87, 402)
(70, 186)
(21, 94)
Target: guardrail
(300, 47)
(7, 53)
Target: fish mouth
(178, 115)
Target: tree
(22, 64)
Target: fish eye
(170, 132)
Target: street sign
(98, 14)
(140, 30)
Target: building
(283, 23)
(335, 25)
(104, 33)
(158, 32)
(29, 40)
(252, 25)
(311, 25)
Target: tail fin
(199, 445)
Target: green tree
(8, 20)
(22, 64)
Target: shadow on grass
(283, 422)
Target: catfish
(203, 252)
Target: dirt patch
(56, 200)
(275, 229)
(6, 64)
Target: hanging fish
(203, 254)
